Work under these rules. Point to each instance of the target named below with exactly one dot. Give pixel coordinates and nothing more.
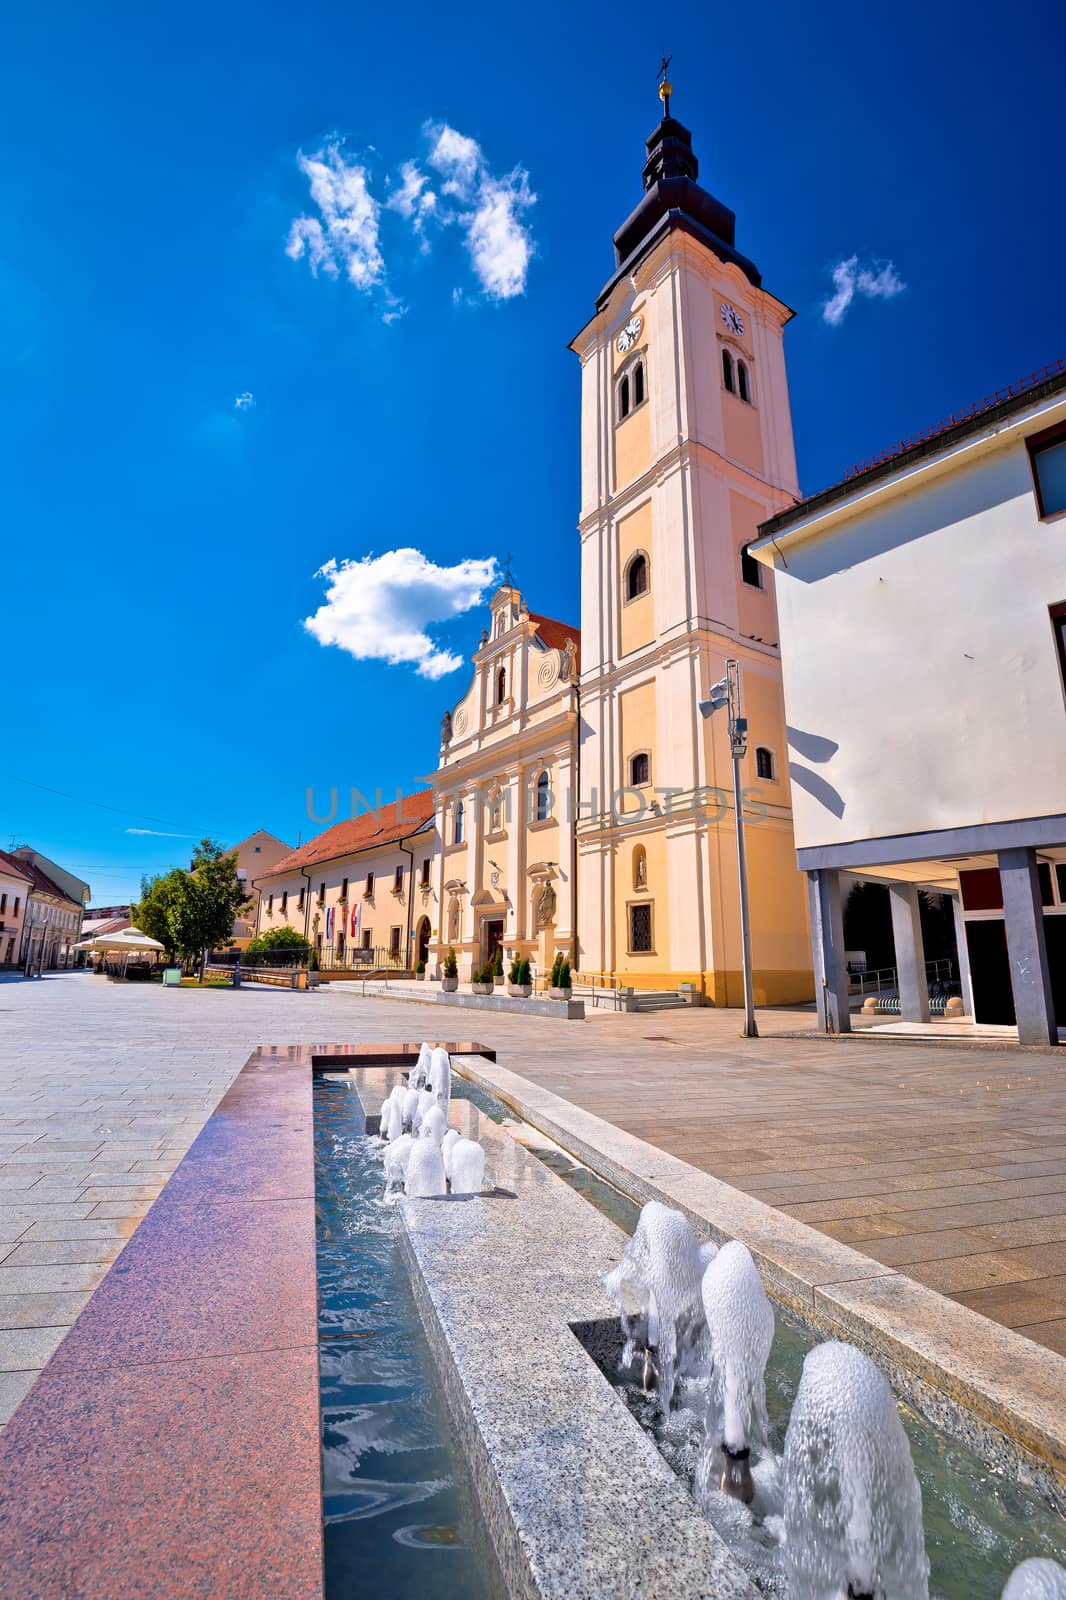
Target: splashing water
(440, 1077)
(426, 1102)
(656, 1287)
(468, 1166)
(1036, 1580)
(419, 1076)
(425, 1170)
(853, 1509)
(740, 1321)
(451, 1138)
(397, 1155)
(434, 1125)
(411, 1102)
(392, 1116)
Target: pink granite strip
(171, 1447)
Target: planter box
(520, 991)
(420, 977)
(449, 985)
(498, 981)
(482, 988)
(560, 994)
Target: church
(583, 804)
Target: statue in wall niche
(641, 874)
(446, 728)
(544, 912)
(566, 671)
(454, 911)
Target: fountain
(396, 1157)
(425, 1170)
(433, 1124)
(419, 1075)
(411, 1101)
(740, 1322)
(467, 1167)
(656, 1287)
(852, 1509)
(440, 1076)
(392, 1115)
(1036, 1580)
(451, 1138)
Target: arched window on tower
(764, 763)
(639, 770)
(728, 377)
(750, 570)
(637, 576)
(631, 390)
(743, 385)
(638, 384)
(543, 808)
(460, 823)
(501, 686)
(623, 398)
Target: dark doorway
(993, 997)
(422, 942)
(491, 940)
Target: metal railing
(872, 980)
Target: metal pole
(750, 1030)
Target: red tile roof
(13, 867)
(38, 879)
(370, 830)
(555, 634)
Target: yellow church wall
(780, 951)
(637, 734)
(742, 432)
(637, 620)
(632, 446)
(643, 970)
(756, 614)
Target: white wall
(922, 684)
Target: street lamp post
(726, 693)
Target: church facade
(584, 804)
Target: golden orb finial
(666, 88)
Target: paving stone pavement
(946, 1162)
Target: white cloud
(876, 280)
(487, 208)
(245, 401)
(378, 608)
(153, 833)
(346, 239)
(414, 199)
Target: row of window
(497, 811)
(640, 767)
(368, 889)
(636, 579)
(631, 389)
(14, 908)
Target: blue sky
(415, 392)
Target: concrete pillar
(1026, 950)
(827, 939)
(910, 952)
(964, 954)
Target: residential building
(505, 788)
(55, 904)
(686, 446)
(362, 891)
(922, 605)
(256, 855)
(15, 884)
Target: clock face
(732, 319)
(629, 334)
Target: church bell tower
(686, 446)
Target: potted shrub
(497, 968)
(420, 972)
(561, 988)
(450, 981)
(521, 980)
(482, 981)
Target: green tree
(282, 945)
(192, 912)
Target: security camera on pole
(726, 693)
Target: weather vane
(507, 578)
(666, 88)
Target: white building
(922, 606)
